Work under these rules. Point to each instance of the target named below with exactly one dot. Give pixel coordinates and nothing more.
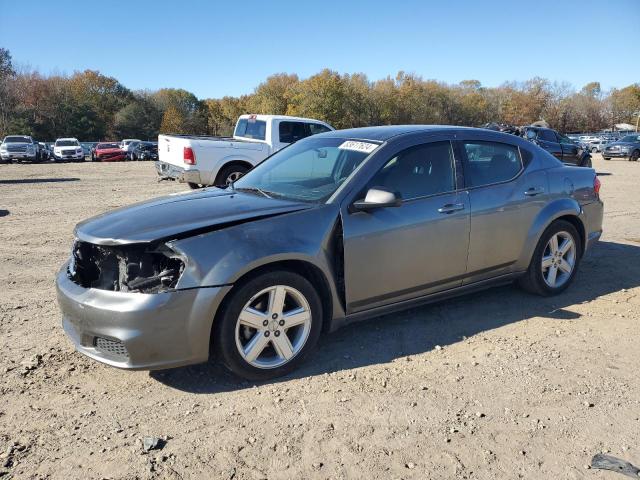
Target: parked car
(88, 147)
(128, 144)
(627, 147)
(109, 152)
(19, 147)
(560, 146)
(45, 152)
(145, 151)
(596, 146)
(202, 161)
(68, 149)
(337, 227)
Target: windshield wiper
(252, 189)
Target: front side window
(251, 128)
(419, 171)
(490, 162)
(310, 170)
(291, 132)
(630, 138)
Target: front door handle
(451, 207)
(533, 191)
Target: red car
(109, 152)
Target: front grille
(109, 155)
(16, 148)
(68, 152)
(112, 348)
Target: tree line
(91, 106)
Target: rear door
(399, 253)
(505, 199)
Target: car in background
(596, 145)
(332, 229)
(109, 152)
(145, 151)
(45, 152)
(627, 147)
(88, 147)
(200, 161)
(19, 147)
(128, 144)
(558, 145)
(68, 149)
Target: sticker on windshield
(365, 147)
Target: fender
(551, 212)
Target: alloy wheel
(558, 259)
(232, 177)
(273, 327)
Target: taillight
(596, 185)
(188, 156)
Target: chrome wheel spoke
(283, 346)
(255, 347)
(547, 262)
(276, 300)
(253, 318)
(553, 244)
(565, 266)
(296, 317)
(551, 276)
(566, 246)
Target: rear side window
(251, 128)
(490, 162)
(547, 136)
(315, 128)
(291, 132)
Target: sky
(218, 48)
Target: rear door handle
(533, 191)
(451, 207)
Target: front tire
(268, 325)
(634, 156)
(555, 260)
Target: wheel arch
(563, 209)
(302, 267)
(232, 161)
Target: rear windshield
(67, 143)
(103, 146)
(251, 128)
(17, 140)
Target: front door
(399, 253)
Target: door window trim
(465, 163)
(454, 164)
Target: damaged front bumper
(168, 171)
(139, 330)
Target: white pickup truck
(201, 161)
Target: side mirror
(378, 198)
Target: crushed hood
(180, 216)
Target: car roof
(281, 117)
(384, 133)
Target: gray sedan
(336, 228)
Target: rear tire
(230, 173)
(271, 350)
(538, 279)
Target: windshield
(103, 146)
(310, 170)
(251, 128)
(630, 138)
(67, 143)
(17, 140)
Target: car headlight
(3, 147)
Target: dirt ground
(499, 384)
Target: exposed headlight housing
(147, 268)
